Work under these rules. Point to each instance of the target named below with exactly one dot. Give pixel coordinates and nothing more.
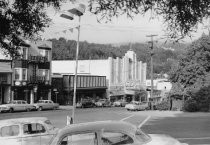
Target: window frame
(20, 70)
(19, 132)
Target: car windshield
(141, 136)
(40, 101)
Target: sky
(119, 30)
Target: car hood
(161, 139)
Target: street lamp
(78, 11)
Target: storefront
(91, 87)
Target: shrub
(191, 106)
(164, 105)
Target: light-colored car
(108, 133)
(119, 103)
(16, 105)
(103, 103)
(46, 104)
(26, 131)
(133, 106)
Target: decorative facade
(125, 76)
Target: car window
(23, 102)
(12, 130)
(19, 102)
(80, 139)
(115, 138)
(13, 102)
(33, 128)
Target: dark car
(86, 103)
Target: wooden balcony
(38, 80)
(37, 59)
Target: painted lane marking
(126, 118)
(145, 120)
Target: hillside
(165, 54)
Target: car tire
(11, 110)
(40, 108)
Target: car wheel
(28, 109)
(40, 108)
(11, 110)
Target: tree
(180, 16)
(191, 75)
(22, 18)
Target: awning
(5, 67)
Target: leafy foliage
(191, 106)
(23, 18)
(164, 105)
(180, 16)
(191, 75)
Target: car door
(31, 134)
(50, 104)
(10, 135)
(45, 134)
(80, 138)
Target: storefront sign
(133, 85)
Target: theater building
(124, 76)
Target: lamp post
(78, 11)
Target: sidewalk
(65, 107)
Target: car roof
(22, 120)
(99, 125)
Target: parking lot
(192, 128)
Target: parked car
(86, 103)
(103, 103)
(16, 105)
(137, 106)
(119, 103)
(145, 105)
(133, 106)
(109, 133)
(46, 104)
(26, 131)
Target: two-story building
(31, 78)
(5, 79)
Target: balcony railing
(39, 80)
(37, 58)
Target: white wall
(85, 67)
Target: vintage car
(46, 104)
(103, 103)
(119, 103)
(137, 106)
(16, 105)
(26, 131)
(133, 106)
(108, 133)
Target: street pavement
(192, 128)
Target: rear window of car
(12, 130)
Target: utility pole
(152, 53)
